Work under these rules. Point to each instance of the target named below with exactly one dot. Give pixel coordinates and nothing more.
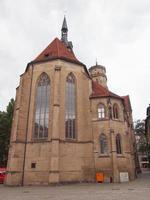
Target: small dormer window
(47, 54)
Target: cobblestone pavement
(135, 190)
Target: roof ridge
(115, 94)
(127, 103)
(101, 91)
(56, 49)
(100, 86)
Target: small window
(103, 144)
(101, 111)
(115, 111)
(118, 144)
(33, 165)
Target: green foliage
(9, 113)
(143, 146)
(5, 129)
(140, 132)
(140, 127)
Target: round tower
(98, 73)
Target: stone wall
(57, 159)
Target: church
(67, 125)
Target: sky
(115, 32)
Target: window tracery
(103, 144)
(42, 107)
(70, 118)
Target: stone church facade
(67, 125)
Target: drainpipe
(26, 133)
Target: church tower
(98, 74)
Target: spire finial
(64, 25)
(96, 62)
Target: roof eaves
(55, 58)
(127, 103)
(102, 96)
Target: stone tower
(98, 74)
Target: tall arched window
(42, 107)
(103, 144)
(115, 111)
(101, 111)
(70, 117)
(118, 144)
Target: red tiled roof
(127, 103)
(55, 50)
(100, 91)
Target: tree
(140, 127)
(5, 129)
(142, 145)
(140, 135)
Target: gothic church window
(70, 114)
(101, 111)
(118, 144)
(42, 107)
(115, 111)
(103, 144)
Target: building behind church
(67, 124)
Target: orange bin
(100, 177)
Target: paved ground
(135, 190)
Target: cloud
(115, 32)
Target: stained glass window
(42, 107)
(103, 144)
(70, 118)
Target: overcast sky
(116, 32)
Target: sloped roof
(57, 50)
(100, 91)
(127, 103)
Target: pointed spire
(64, 32)
(64, 25)
(64, 35)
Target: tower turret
(64, 35)
(98, 73)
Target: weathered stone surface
(56, 158)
